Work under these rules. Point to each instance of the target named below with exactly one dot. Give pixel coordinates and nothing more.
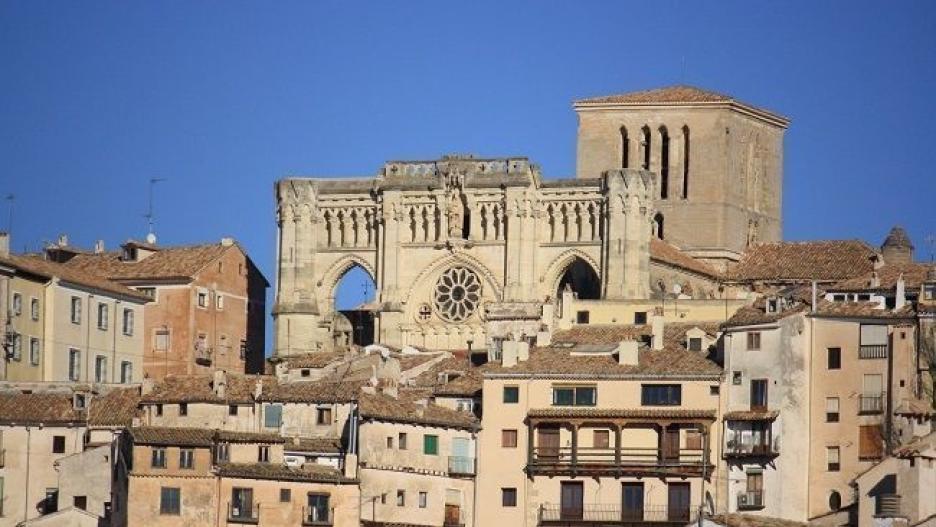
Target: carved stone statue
(456, 216)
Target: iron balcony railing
(741, 446)
(248, 513)
(317, 516)
(613, 514)
(871, 403)
(872, 351)
(751, 499)
(461, 465)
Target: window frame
(34, 308)
(128, 320)
(753, 341)
(102, 316)
(58, 444)
(833, 466)
(669, 389)
(577, 397)
(172, 506)
(187, 458)
(836, 353)
(74, 364)
(833, 417)
(75, 310)
(508, 496)
(509, 438)
(431, 444)
(514, 398)
(158, 457)
(35, 352)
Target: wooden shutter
(870, 442)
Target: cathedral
(466, 252)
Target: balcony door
(632, 502)
(572, 500)
(670, 444)
(241, 503)
(678, 502)
(548, 442)
(759, 395)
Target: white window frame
(34, 351)
(100, 369)
(128, 316)
(74, 364)
(75, 307)
(156, 334)
(126, 372)
(219, 302)
(102, 309)
(199, 294)
(34, 308)
(16, 304)
(17, 353)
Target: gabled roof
(669, 254)
(753, 315)
(169, 436)
(42, 407)
(406, 409)
(914, 274)
(310, 472)
(827, 309)
(115, 408)
(36, 265)
(200, 389)
(828, 260)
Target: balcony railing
(461, 465)
(628, 460)
(751, 499)
(612, 514)
(317, 516)
(248, 513)
(888, 506)
(748, 447)
(872, 351)
(871, 403)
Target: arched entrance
(581, 279)
(353, 310)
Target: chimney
(4, 243)
(258, 389)
(875, 279)
(627, 353)
(63, 240)
(657, 326)
(523, 350)
(901, 294)
(147, 386)
(99, 247)
(219, 384)
(227, 241)
(509, 353)
(543, 338)
(815, 295)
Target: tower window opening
(658, 226)
(685, 163)
(646, 148)
(664, 163)
(625, 148)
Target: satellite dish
(677, 289)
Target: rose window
(457, 294)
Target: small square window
(423, 500)
(159, 410)
(58, 444)
(285, 495)
(431, 445)
(509, 438)
(183, 409)
(753, 340)
(323, 416)
(511, 394)
(401, 441)
(401, 498)
(581, 317)
(509, 497)
(389, 442)
(232, 409)
(158, 457)
(834, 358)
(640, 317)
(186, 458)
(263, 454)
(601, 439)
(736, 378)
(714, 389)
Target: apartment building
(207, 304)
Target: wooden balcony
(752, 449)
(626, 461)
(595, 514)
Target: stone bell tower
(718, 161)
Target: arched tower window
(664, 163)
(658, 225)
(685, 163)
(645, 144)
(625, 148)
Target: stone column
(514, 226)
(613, 273)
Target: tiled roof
(668, 362)
(752, 520)
(861, 310)
(228, 436)
(668, 94)
(372, 523)
(317, 392)
(116, 407)
(897, 237)
(405, 409)
(813, 260)
(468, 383)
(43, 407)
(669, 254)
(623, 413)
(601, 333)
(151, 435)
(312, 360)
(915, 407)
(199, 388)
(750, 315)
(914, 274)
(917, 446)
(751, 415)
(273, 471)
(313, 444)
(47, 269)
(164, 263)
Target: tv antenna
(150, 215)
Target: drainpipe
(28, 444)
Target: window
(736, 378)
(127, 321)
(273, 416)
(658, 221)
(75, 310)
(50, 503)
(431, 444)
(714, 389)
(870, 442)
(323, 416)
(285, 495)
(126, 372)
(219, 302)
(509, 438)
(664, 163)
(304, 372)
(695, 344)
(685, 163)
(169, 500)
(148, 291)
(401, 498)
(508, 497)
(80, 502)
(389, 442)
(383, 498)
(755, 485)
(832, 409)
(100, 368)
(34, 308)
(161, 340)
(401, 441)
(158, 457)
(74, 364)
(511, 394)
(759, 394)
(58, 444)
(625, 146)
(661, 394)
(17, 307)
(423, 500)
(645, 144)
(835, 358)
(243, 352)
(186, 458)
(575, 396)
(753, 340)
(832, 459)
(17, 346)
(34, 351)
(202, 297)
(693, 440)
(222, 453)
(263, 454)
(640, 317)
(79, 402)
(232, 409)
(581, 317)
(183, 409)
(464, 405)
(601, 439)
(102, 315)
(159, 410)
(835, 501)
(318, 508)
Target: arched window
(353, 322)
(625, 148)
(664, 163)
(658, 225)
(645, 143)
(835, 501)
(685, 163)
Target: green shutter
(431, 445)
(273, 416)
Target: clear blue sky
(223, 98)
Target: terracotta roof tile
(623, 413)
(406, 409)
(168, 436)
(751, 415)
(897, 237)
(116, 407)
(199, 389)
(914, 274)
(813, 260)
(861, 310)
(751, 520)
(47, 269)
(273, 471)
(312, 360)
(601, 333)
(42, 407)
(313, 444)
(229, 436)
(165, 263)
(917, 446)
(668, 362)
(750, 315)
(669, 254)
(316, 391)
